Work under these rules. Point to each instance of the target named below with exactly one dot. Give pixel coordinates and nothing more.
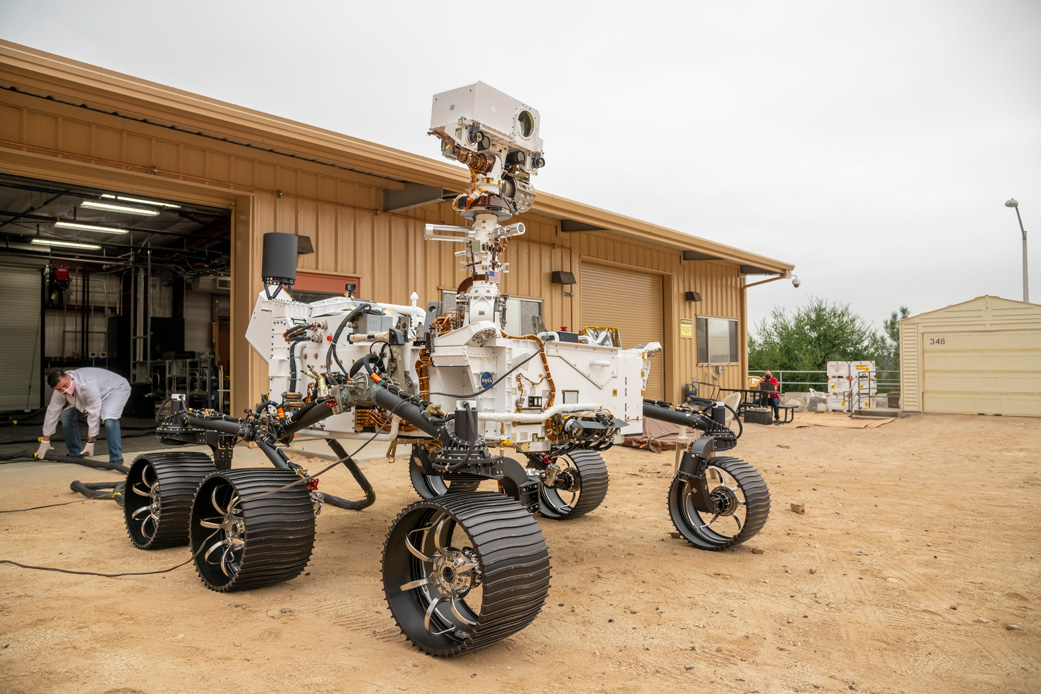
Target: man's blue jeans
(70, 420)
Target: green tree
(809, 338)
(892, 330)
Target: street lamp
(1011, 202)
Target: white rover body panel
(556, 379)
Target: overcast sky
(871, 144)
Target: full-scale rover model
(462, 568)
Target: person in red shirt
(771, 385)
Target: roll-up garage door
(20, 339)
(632, 302)
(988, 372)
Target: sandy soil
(920, 543)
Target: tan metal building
(364, 208)
(978, 357)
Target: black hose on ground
(128, 433)
(28, 455)
(112, 491)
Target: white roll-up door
(987, 372)
(20, 339)
(632, 302)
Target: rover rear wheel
(742, 499)
(433, 486)
(579, 487)
(464, 571)
(158, 497)
(251, 528)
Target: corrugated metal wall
(337, 209)
(21, 290)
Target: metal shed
(979, 357)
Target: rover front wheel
(251, 528)
(742, 503)
(464, 571)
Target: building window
(523, 316)
(717, 341)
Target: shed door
(20, 339)
(985, 372)
(632, 302)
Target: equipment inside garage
(118, 280)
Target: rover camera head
(497, 137)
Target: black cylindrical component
(278, 263)
(719, 413)
(466, 424)
(275, 455)
(308, 415)
(687, 419)
(407, 410)
(226, 426)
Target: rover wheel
(580, 487)
(463, 571)
(433, 486)
(743, 499)
(251, 528)
(158, 497)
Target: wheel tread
(757, 504)
(515, 571)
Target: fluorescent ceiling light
(67, 244)
(89, 227)
(90, 204)
(140, 201)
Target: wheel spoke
(418, 583)
(411, 548)
(142, 492)
(437, 535)
(227, 562)
(738, 521)
(144, 526)
(213, 548)
(211, 523)
(430, 611)
(143, 509)
(213, 500)
(458, 615)
(466, 568)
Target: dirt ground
(920, 544)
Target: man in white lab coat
(96, 395)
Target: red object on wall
(332, 284)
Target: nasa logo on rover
(486, 379)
